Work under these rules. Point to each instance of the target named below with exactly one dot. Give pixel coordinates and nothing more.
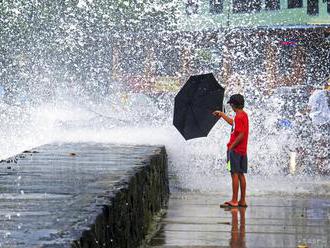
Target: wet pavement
(50, 195)
(196, 220)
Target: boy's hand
(218, 114)
(221, 114)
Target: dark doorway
(313, 7)
(272, 4)
(216, 6)
(295, 4)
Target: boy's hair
(238, 106)
(237, 101)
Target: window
(216, 6)
(246, 6)
(191, 7)
(329, 6)
(295, 4)
(272, 4)
(312, 7)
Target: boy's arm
(237, 140)
(224, 116)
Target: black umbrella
(194, 105)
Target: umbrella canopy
(194, 105)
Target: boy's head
(236, 101)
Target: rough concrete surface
(81, 195)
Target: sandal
(228, 205)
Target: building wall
(306, 62)
(270, 27)
(257, 56)
(260, 33)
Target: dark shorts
(237, 163)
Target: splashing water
(194, 165)
(57, 84)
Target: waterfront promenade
(104, 195)
(195, 220)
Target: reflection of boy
(237, 234)
(237, 149)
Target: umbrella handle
(216, 114)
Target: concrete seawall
(126, 221)
(82, 195)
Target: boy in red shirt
(237, 149)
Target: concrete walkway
(196, 220)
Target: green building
(272, 43)
(217, 14)
(269, 42)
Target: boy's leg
(235, 186)
(242, 183)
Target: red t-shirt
(241, 124)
